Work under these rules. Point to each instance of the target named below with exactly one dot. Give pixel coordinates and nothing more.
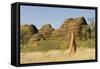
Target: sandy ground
(57, 55)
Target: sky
(51, 15)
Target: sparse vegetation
(47, 45)
(48, 39)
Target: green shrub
(90, 43)
(45, 45)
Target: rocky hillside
(77, 25)
(29, 33)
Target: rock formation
(26, 31)
(46, 30)
(77, 25)
(81, 30)
(62, 31)
(36, 37)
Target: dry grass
(57, 55)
